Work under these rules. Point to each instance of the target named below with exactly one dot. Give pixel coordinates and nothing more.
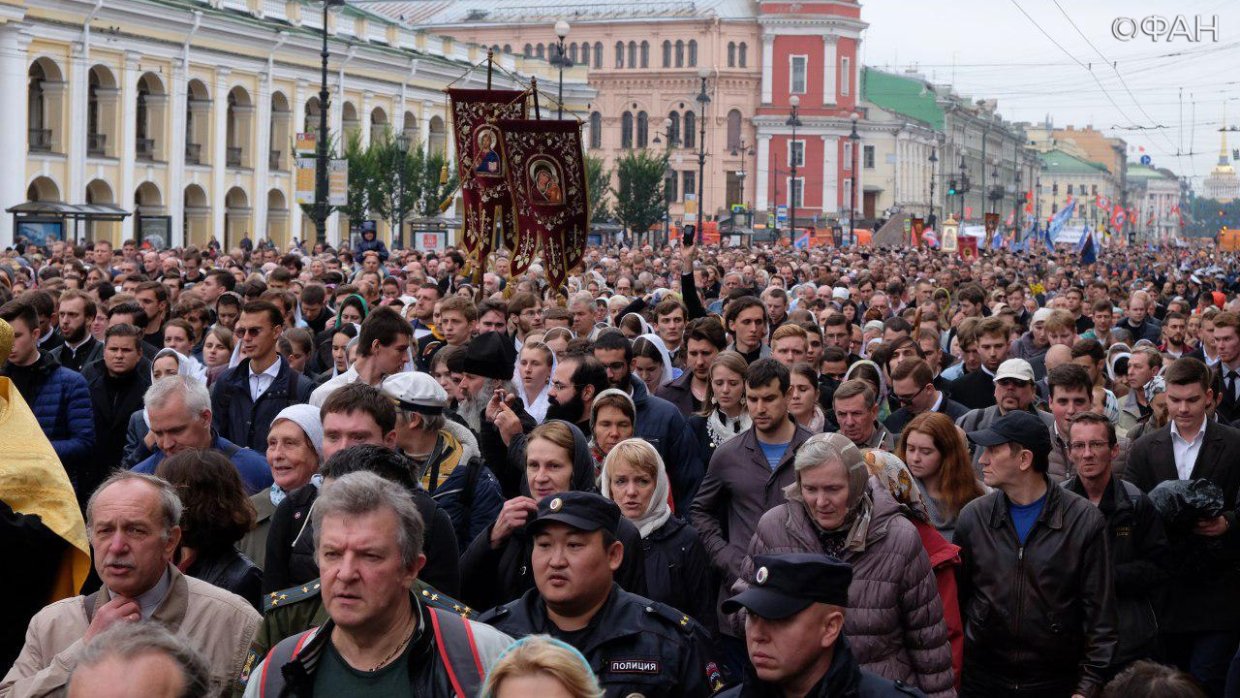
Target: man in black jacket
(1201, 612)
(976, 390)
(1035, 584)
(1134, 530)
(80, 348)
(247, 398)
(116, 385)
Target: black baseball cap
(584, 511)
(1018, 427)
(784, 585)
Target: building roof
(1057, 162)
(908, 96)
(432, 13)
(1143, 172)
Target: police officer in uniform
(636, 647)
(794, 631)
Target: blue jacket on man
(244, 421)
(661, 424)
(251, 466)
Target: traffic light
(951, 187)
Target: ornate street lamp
(703, 99)
(855, 138)
(794, 120)
(561, 59)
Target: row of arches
(197, 223)
(681, 129)
(631, 54)
(47, 106)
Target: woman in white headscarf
(532, 378)
(677, 566)
(652, 362)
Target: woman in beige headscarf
(40, 523)
(895, 618)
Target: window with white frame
(845, 75)
(796, 74)
(848, 155)
(796, 153)
(796, 191)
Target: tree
(598, 184)
(639, 197)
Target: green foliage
(598, 184)
(639, 197)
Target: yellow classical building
(182, 114)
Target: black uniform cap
(784, 585)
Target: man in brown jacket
(131, 520)
(747, 477)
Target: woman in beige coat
(895, 616)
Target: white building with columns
(184, 112)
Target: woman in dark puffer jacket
(678, 571)
(895, 616)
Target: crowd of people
(728, 470)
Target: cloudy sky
(991, 49)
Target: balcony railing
(193, 153)
(146, 148)
(273, 160)
(41, 139)
(97, 144)
(234, 157)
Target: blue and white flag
(1088, 249)
(1060, 220)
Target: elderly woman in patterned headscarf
(896, 619)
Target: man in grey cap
(1015, 390)
(794, 632)
(445, 455)
(1035, 585)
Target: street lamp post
(743, 150)
(794, 120)
(962, 188)
(996, 194)
(854, 138)
(402, 147)
(669, 174)
(561, 59)
(703, 100)
(320, 142)
(934, 161)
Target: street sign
(691, 207)
(305, 143)
(338, 183)
(781, 213)
(303, 181)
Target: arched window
(626, 130)
(731, 54)
(645, 54)
(692, 53)
(643, 129)
(598, 54)
(734, 129)
(540, 51)
(632, 54)
(690, 126)
(680, 53)
(572, 52)
(529, 51)
(741, 51)
(667, 53)
(507, 48)
(596, 131)
(673, 130)
(619, 54)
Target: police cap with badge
(584, 511)
(784, 585)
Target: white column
(75, 140)
(831, 175)
(262, 160)
(368, 99)
(174, 198)
(762, 185)
(129, 139)
(219, 160)
(424, 125)
(829, 69)
(768, 61)
(13, 124)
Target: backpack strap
(458, 652)
(271, 683)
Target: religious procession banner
(489, 217)
(546, 171)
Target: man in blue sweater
(58, 396)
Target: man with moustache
(77, 311)
(132, 523)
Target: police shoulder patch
(671, 615)
(292, 595)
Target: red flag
(481, 166)
(548, 180)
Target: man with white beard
(489, 401)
